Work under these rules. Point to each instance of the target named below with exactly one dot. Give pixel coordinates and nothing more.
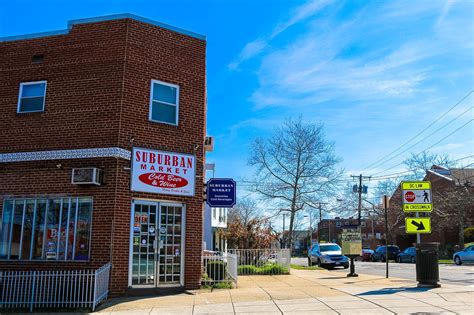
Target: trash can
(427, 268)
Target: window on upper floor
(164, 102)
(32, 97)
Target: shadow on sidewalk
(138, 295)
(394, 290)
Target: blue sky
(374, 72)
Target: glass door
(157, 244)
(170, 244)
(144, 253)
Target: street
(452, 274)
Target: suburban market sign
(221, 192)
(163, 172)
(417, 225)
(416, 197)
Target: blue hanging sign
(221, 192)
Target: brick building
(122, 101)
(444, 230)
(372, 230)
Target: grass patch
(268, 269)
(219, 285)
(445, 261)
(298, 267)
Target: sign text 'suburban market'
(162, 162)
(163, 172)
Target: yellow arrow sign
(418, 225)
(416, 185)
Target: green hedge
(268, 269)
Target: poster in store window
(163, 172)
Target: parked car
(464, 256)
(367, 254)
(408, 255)
(327, 255)
(380, 255)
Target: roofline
(442, 176)
(104, 18)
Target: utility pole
(359, 191)
(385, 207)
(320, 218)
(284, 238)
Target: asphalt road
(451, 274)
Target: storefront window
(82, 229)
(6, 228)
(53, 229)
(38, 237)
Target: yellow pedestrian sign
(416, 185)
(416, 197)
(418, 225)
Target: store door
(156, 244)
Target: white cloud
(257, 46)
(319, 65)
(250, 49)
(444, 12)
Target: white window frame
(22, 84)
(176, 105)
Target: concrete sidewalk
(306, 292)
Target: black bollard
(352, 267)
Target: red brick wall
(36, 179)
(99, 78)
(84, 71)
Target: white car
(327, 255)
(465, 256)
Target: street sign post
(418, 225)
(416, 197)
(221, 192)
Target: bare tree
(418, 164)
(295, 168)
(455, 207)
(245, 210)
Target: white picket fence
(262, 261)
(218, 268)
(54, 289)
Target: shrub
(268, 269)
(247, 270)
(216, 270)
(272, 269)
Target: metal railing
(54, 289)
(262, 261)
(219, 268)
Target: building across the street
(372, 230)
(102, 151)
(453, 204)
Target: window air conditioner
(86, 176)
(209, 143)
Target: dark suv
(380, 255)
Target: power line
(428, 147)
(434, 132)
(371, 166)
